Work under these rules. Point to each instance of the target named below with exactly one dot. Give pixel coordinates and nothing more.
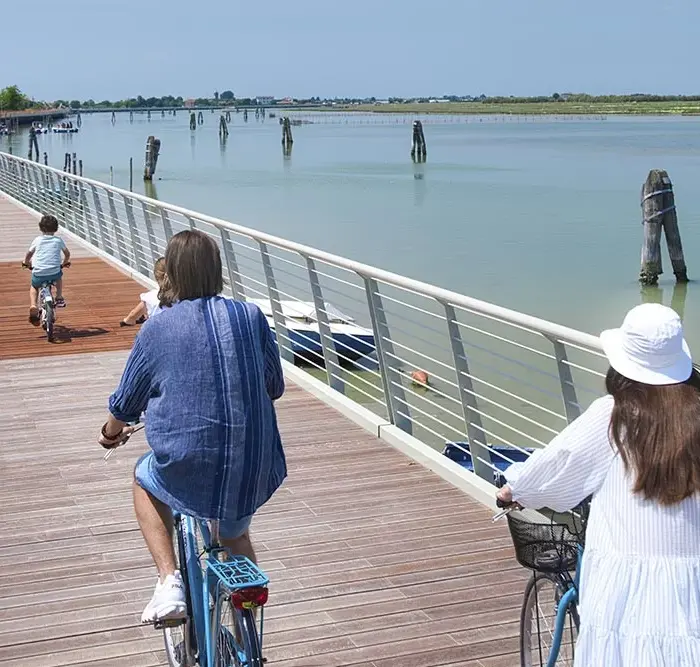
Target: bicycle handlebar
(65, 265)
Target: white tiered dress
(640, 577)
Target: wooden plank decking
(374, 561)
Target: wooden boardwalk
(374, 561)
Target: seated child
(149, 304)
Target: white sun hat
(649, 346)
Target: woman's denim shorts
(144, 478)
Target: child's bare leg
(59, 288)
(33, 296)
(136, 313)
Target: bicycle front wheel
(538, 624)
(237, 639)
(179, 637)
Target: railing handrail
(549, 329)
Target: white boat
(352, 341)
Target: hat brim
(678, 370)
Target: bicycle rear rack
(238, 572)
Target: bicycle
(222, 591)
(46, 304)
(549, 618)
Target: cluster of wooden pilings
(419, 151)
(659, 215)
(151, 160)
(71, 164)
(287, 139)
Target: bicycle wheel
(237, 639)
(49, 315)
(179, 637)
(538, 623)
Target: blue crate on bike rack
(238, 573)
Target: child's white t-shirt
(47, 254)
(152, 302)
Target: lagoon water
(537, 214)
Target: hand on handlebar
(108, 442)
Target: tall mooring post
(287, 139)
(418, 148)
(33, 144)
(193, 121)
(223, 127)
(659, 213)
(151, 161)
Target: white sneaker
(168, 601)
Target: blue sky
(115, 49)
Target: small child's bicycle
(46, 304)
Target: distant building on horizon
(189, 103)
(264, 100)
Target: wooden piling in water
(46, 158)
(151, 161)
(418, 148)
(200, 118)
(33, 144)
(75, 165)
(193, 121)
(287, 139)
(80, 167)
(245, 115)
(223, 127)
(228, 116)
(659, 214)
(114, 117)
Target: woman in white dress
(637, 452)
(149, 303)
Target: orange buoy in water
(419, 378)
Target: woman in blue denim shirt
(207, 370)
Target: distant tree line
(13, 99)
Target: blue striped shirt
(207, 371)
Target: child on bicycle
(149, 304)
(44, 257)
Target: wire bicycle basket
(549, 546)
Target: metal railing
(500, 382)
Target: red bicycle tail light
(249, 598)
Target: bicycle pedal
(168, 623)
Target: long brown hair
(192, 268)
(656, 429)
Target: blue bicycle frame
(201, 587)
(569, 598)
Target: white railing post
(284, 341)
(87, 216)
(476, 436)
(116, 226)
(394, 394)
(101, 223)
(152, 241)
(330, 356)
(134, 235)
(572, 408)
(167, 227)
(237, 287)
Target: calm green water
(538, 215)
